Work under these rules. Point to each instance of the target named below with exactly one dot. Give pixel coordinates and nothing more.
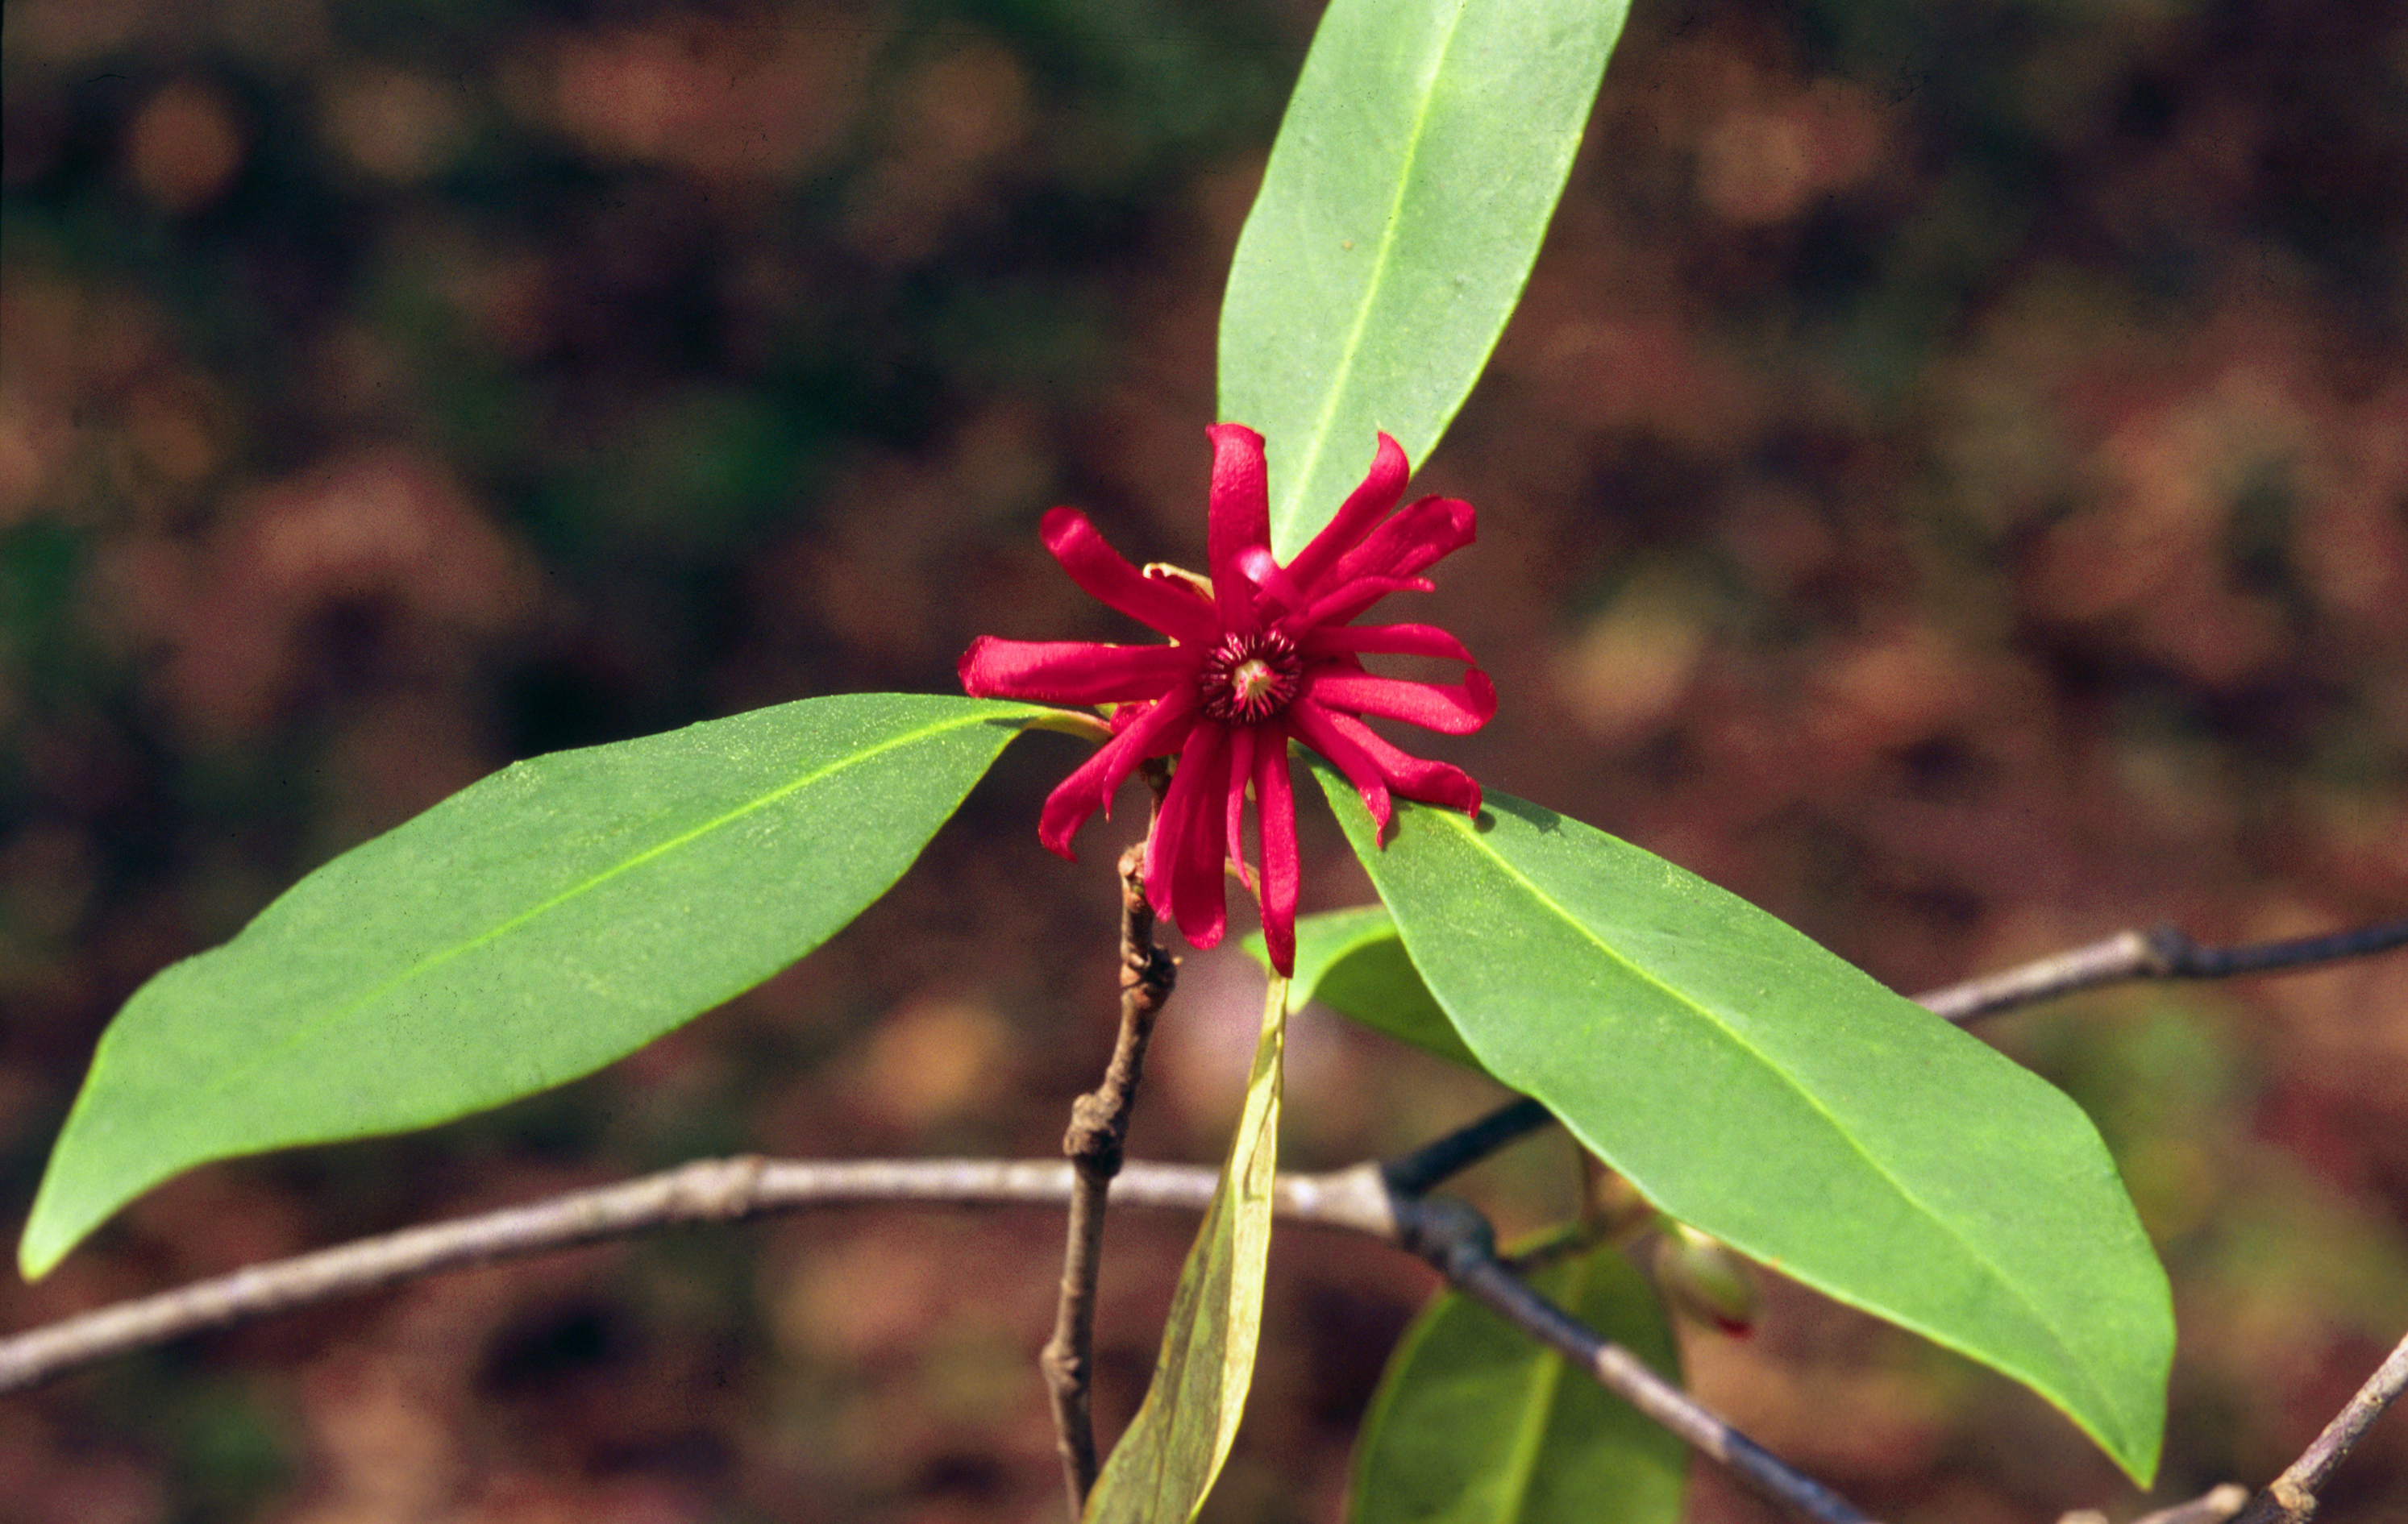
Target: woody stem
(1097, 1134)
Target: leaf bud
(1703, 1278)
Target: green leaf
(1764, 1091)
(1164, 1467)
(530, 928)
(1419, 162)
(1353, 963)
(1476, 1424)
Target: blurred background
(1948, 483)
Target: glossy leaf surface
(1475, 1423)
(1353, 963)
(1756, 1087)
(1415, 174)
(1163, 1468)
(530, 928)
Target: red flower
(1264, 655)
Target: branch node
(1096, 1143)
(2171, 953)
(1453, 1236)
(719, 1190)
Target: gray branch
(2291, 1498)
(1458, 1242)
(2213, 1506)
(707, 1191)
(2165, 953)
(1383, 1202)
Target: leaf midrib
(228, 1078)
(1461, 824)
(1342, 375)
(1530, 1427)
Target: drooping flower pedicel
(1266, 655)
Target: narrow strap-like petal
(1272, 585)
(1318, 727)
(1363, 507)
(1345, 600)
(1160, 730)
(1445, 707)
(1279, 873)
(1105, 575)
(1380, 640)
(1072, 672)
(1419, 534)
(1183, 856)
(1240, 517)
(1415, 777)
(1243, 741)
(1077, 797)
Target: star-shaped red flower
(1266, 655)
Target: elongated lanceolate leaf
(1756, 1087)
(1412, 181)
(528, 930)
(1163, 1468)
(1476, 1423)
(1353, 963)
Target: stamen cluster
(1248, 678)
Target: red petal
(1243, 739)
(1160, 729)
(1347, 598)
(1072, 672)
(1157, 731)
(1364, 506)
(1100, 569)
(1076, 798)
(1380, 640)
(1415, 777)
(1422, 534)
(1270, 581)
(1443, 707)
(1184, 854)
(1318, 727)
(1240, 517)
(1275, 822)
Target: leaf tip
(46, 1240)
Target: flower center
(1250, 677)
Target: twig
(707, 1190)
(1417, 1173)
(1366, 1199)
(1457, 1241)
(2213, 1506)
(1355, 1200)
(1098, 1132)
(2291, 1498)
(2165, 953)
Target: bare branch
(1355, 1199)
(1412, 1173)
(2165, 953)
(1100, 1122)
(1457, 1241)
(707, 1190)
(1367, 1199)
(2213, 1506)
(2291, 1498)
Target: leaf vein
(1316, 439)
(1995, 1273)
(229, 1078)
